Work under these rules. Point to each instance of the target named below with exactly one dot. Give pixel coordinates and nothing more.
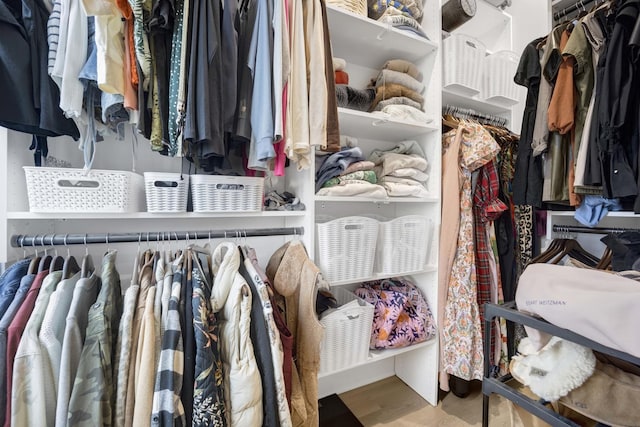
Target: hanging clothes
(462, 352)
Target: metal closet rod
(581, 4)
(589, 230)
(20, 240)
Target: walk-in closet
(319, 213)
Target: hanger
(70, 267)
(57, 263)
(87, 268)
(45, 262)
(35, 261)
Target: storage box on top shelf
(166, 192)
(499, 69)
(403, 245)
(70, 190)
(346, 247)
(347, 332)
(218, 193)
(462, 64)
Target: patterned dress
(461, 333)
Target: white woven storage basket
(463, 60)
(347, 248)
(347, 332)
(217, 193)
(403, 244)
(166, 192)
(359, 7)
(499, 69)
(76, 190)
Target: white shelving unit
(366, 45)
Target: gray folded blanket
(356, 99)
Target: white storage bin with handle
(218, 193)
(79, 190)
(347, 332)
(462, 62)
(346, 248)
(166, 192)
(499, 69)
(403, 244)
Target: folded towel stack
(402, 14)
(402, 170)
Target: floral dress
(462, 353)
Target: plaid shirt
(486, 208)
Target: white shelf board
(427, 269)
(149, 215)
(369, 43)
(379, 126)
(377, 355)
(479, 105)
(610, 214)
(388, 200)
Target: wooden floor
(391, 402)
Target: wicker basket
(166, 192)
(359, 7)
(78, 190)
(346, 248)
(217, 193)
(403, 245)
(463, 63)
(499, 69)
(347, 332)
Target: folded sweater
(368, 176)
(398, 77)
(406, 113)
(342, 78)
(339, 64)
(404, 67)
(356, 99)
(392, 161)
(412, 173)
(364, 165)
(397, 100)
(397, 189)
(390, 90)
(402, 147)
(355, 188)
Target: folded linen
(412, 173)
(399, 180)
(404, 67)
(356, 99)
(355, 188)
(398, 77)
(397, 189)
(392, 161)
(391, 90)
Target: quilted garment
(401, 315)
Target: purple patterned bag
(401, 315)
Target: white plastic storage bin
(166, 192)
(77, 190)
(218, 193)
(347, 248)
(403, 244)
(499, 69)
(463, 60)
(347, 332)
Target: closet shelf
(379, 126)
(378, 355)
(388, 200)
(149, 215)
(369, 43)
(427, 269)
(452, 98)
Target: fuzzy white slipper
(555, 370)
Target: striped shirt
(167, 407)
